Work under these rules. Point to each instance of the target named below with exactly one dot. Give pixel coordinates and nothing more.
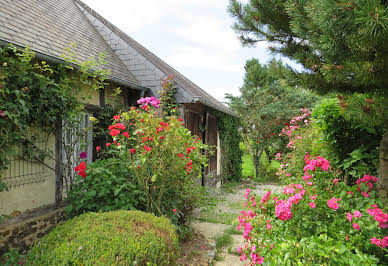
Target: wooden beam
(58, 164)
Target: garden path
(217, 220)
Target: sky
(193, 36)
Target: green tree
(265, 105)
(341, 44)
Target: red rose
(82, 173)
(147, 148)
(114, 132)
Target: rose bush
(317, 219)
(160, 158)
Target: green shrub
(353, 126)
(110, 238)
(109, 185)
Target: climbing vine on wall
(228, 128)
(167, 96)
(34, 94)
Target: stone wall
(21, 232)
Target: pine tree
(342, 44)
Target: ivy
(230, 137)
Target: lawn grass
(248, 169)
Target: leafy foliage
(353, 127)
(110, 238)
(109, 186)
(317, 218)
(168, 95)
(32, 94)
(298, 238)
(153, 164)
(11, 258)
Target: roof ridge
(140, 49)
(180, 79)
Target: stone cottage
(48, 27)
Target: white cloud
(132, 15)
(219, 93)
(210, 32)
(201, 58)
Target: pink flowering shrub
(307, 145)
(305, 216)
(317, 219)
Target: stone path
(224, 218)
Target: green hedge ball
(110, 238)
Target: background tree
(341, 44)
(265, 105)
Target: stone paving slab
(232, 259)
(210, 230)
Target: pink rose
(356, 226)
(357, 214)
(349, 216)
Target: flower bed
(317, 219)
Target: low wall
(21, 232)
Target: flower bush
(155, 155)
(108, 185)
(318, 219)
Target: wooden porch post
(58, 164)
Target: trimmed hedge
(111, 238)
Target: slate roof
(48, 26)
